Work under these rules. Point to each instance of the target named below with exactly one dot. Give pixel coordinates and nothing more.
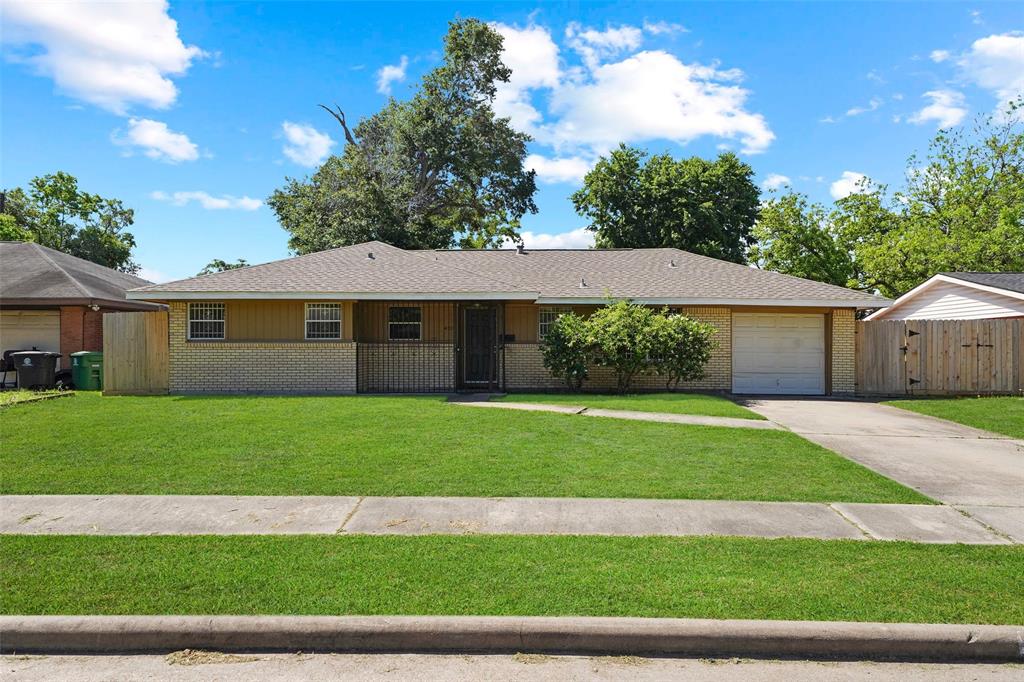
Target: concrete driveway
(978, 472)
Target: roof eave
(166, 295)
(865, 303)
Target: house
(376, 318)
(960, 296)
(53, 301)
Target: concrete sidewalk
(664, 417)
(979, 472)
(226, 515)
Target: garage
(778, 353)
(25, 329)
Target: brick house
(53, 301)
(375, 318)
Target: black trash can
(36, 368)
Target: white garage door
(25, 329)
(778, 353)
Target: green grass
(675, 403)
(405, 446)
(1003, 415)
(512, 575)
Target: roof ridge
(74, 282)
(422, 254)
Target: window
(323, 320)
(206, 320)
(404, 323)
(547, 317)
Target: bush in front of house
(684, 348)
(631, 340)
(566, 349)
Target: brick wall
(80, 329)
(270, 367)
(524, 363)
(844, 374)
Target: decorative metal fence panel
(405, 367)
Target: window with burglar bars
(547, 317)
(206, 320)
(405, 323)
(323, 320)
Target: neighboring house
(960, 296)
(375, 318)
(52, 301)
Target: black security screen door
(478, 349)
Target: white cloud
(775, 181)
(658, 28)
(156, 141)
(653, 95)
(946, 109)
(580, 238)
(939, 56)
(649, 95)
(306, 145)
(111, 54)
(871, 106)
(996, 63)
(593, 46)
(391, 73)
(846, 185)
(155, 276)
(567, 169)
(208, 201)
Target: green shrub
(683, 347)
(566, 349)
(623, 339)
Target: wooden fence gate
(135, 353)
(940, 357)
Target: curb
(462, 634)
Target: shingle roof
(31, 274)
(641, 274)
(658, 275)
(1011, 281)
(369, 268)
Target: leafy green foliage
(437, 170)
(218, 265)
(961, 209)
(566, 349)
(56, 214)
(799, 238)
(707, 207)
(682, 348)
(631, 340)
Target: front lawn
(513, 575)
(405, 446)
(1004, 414)
(675, 403)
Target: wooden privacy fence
(940, 357)
(135, 353)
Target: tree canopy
(221, 265)
(707, 207)
(55, 213)
(434, 171)
(961, 209)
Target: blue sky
(193, 114)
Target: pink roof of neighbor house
(375, 270)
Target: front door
(478, 361)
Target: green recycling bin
(87, 370)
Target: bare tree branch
(339, 115)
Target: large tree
(54, 212)
(707, 207)
(961, 209)
(434, 171)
